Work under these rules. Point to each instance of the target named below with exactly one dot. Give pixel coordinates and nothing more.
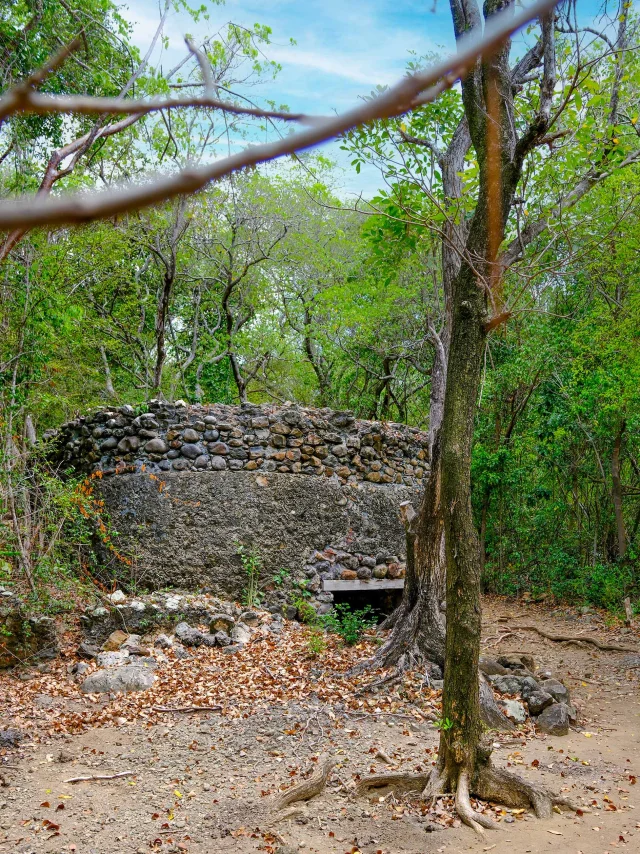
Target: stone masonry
(315, 493)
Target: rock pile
(288, 439)
(144, 614)
(126, 664)
(547, 699)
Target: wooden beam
(370, 586)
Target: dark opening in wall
(382, 602)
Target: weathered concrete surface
(185, 533)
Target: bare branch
(399, 99)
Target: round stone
(156, 446)
(218, 463)
(192, 452)
(218, 448)
(201, 461)
(190, 435)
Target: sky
(343, 50)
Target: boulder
(189, 636)
(538, 701)
(554, 720)
(113, 659)
(557, 690)
(111, 680)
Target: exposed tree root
(606, 647)
(308, 788)
(399, 781)
(487, 784)
(469, 816)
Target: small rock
(188, 635)
(222, 639)
(517, 662)
(249, 618)
(180, 652)
(364, 573)
(80, 669)
(128, 678)
(10, 737)
(380, 571)
(65, 756)
(507, 684)
(240, 633)
(117, 597)
(490, 667)
(557, 690)
(515, 710)
(87, 650)
(554, 720)
(348, 575)
(538, 701)
(156, 446)
(163, 642)
(114, 641)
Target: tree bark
(616, 493)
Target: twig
(410, 92)
(186, 708)
(100, 777)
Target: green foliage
(348, 623)
(280, 576)
(306, 611)
(251, 562)
(316, 642)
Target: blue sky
(344, 48)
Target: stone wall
(287, 439)
(315, 492)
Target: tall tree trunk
(162, 313)
(616, 493)
(461, 705)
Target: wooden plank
(370, 586)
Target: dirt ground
(205, 782)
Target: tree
(503, 138)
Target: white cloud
(328, 62)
